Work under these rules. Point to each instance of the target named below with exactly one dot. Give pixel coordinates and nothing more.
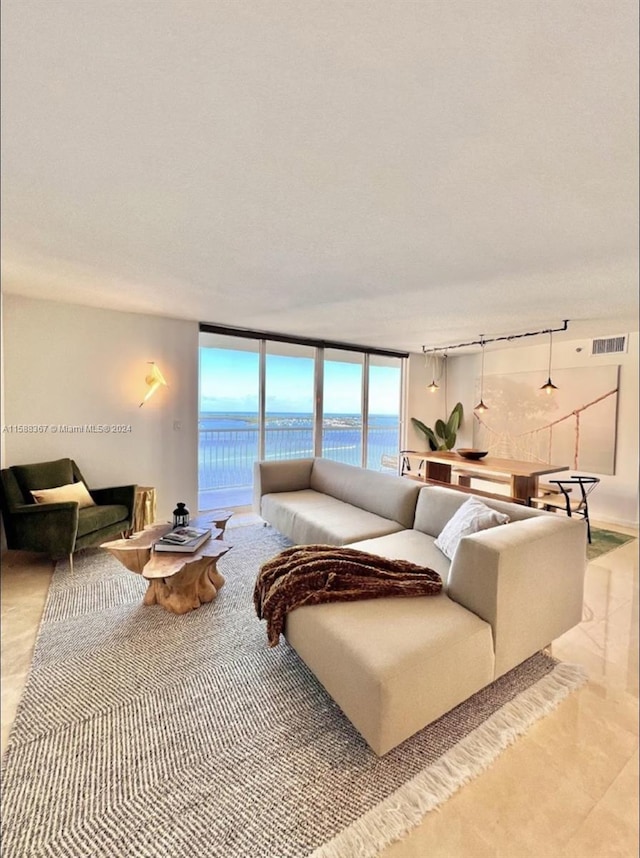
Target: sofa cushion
(96, 517)
(394, 665)
(309, 517)
(43, 475)
(411, 545)
(472, 517)
(383, 494)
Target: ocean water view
(228, 443)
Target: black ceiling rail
(484, 340)
(246, 333)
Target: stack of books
(183, 539)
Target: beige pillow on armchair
(71, 492)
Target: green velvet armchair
(61, 528)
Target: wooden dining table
(523, 476)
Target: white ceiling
(391, 173)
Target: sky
(229, 383)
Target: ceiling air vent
(609, 345)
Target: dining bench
(464, 479)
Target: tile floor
(568, 789)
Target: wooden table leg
(179, 584)
(524, 488)
(197, 584)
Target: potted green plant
(443, 435)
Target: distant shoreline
(295, 419)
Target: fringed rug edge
(404, 809)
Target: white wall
(616, 498)
(65, 364)
(74, 365)
(3, 538)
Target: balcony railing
(226, 456)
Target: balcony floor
(236, 496)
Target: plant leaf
(444, 436)
(453, 422)
(420, 426)
(433, 441)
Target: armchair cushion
(95, 518)
(73, 492)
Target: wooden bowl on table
(470, 453)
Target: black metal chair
(576, 505)
(405, 461)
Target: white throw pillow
(71, 492)
(472, 516)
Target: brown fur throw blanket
(311, 574)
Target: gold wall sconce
(154, 380)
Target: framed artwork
(574, 426)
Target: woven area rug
(603, 541)
(142, 733)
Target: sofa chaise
(394, 665)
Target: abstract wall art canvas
(575, 426)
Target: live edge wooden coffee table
(178, 582)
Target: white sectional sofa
(395, 664)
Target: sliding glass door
(268, 398)
(228, 425)
(289, 401)
(342, 406)
(383, 413)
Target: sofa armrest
(290, 475)
(50, 527)
(525, 579)
(125, 495)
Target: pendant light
(549, 386)
(481, 407)
(434, 386)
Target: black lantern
(180, 516)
